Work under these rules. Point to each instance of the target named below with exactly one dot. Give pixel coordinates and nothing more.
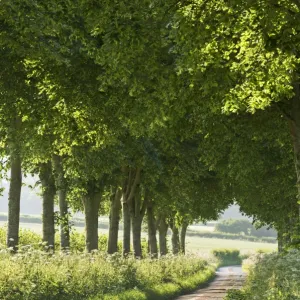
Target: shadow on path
(231, 277)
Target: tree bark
(48, 190)
(91, 202)
(162, 231)
(131, 181)
(152, 241)
(280, 240)
(286, 233)
(183, 230)
(64, 220)
(295, 134)
(61, 186)
(126, 229)
(14, 197)
(137, 209)
(136, 236)
(175, 238)
(114, 219)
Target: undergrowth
(274, 276)
(35, 275)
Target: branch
(281, 110)
(134, 185)
(144, 205)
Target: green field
(193, 244)
(197, 244)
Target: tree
(246, 53)
(48, 191)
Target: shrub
(234, 226)
(27, 237)
(274, 276)
(227, 256)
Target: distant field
(193, 244)
(202, 228)
(196, 244)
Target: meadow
(194, 244)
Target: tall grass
(35, 275)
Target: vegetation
(227, 257)
(244, 227)
(165, 111)
(33, 274)
(121, 115)
(229, 236)
(271, 276)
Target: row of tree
(172, 108)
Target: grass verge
(168, 290)
(271, 276)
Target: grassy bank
(181, 285)
(271, 276)
(36, 275)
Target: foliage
(243, 227)
(114, 84)
(239, 60)
(33, 274)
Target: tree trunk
(14, 196)
(91, 202)
(286, 233)
(48, 190)
(162, 231)
(183, 230)
(64, 220)
(136, 236)
(152, 241)
(137, 208)
(175, 238)
(126, 229)
(114, 218)
(131, 181)
(280, 240)
(295, 133)
(61, 186)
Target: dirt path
(231, 277)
